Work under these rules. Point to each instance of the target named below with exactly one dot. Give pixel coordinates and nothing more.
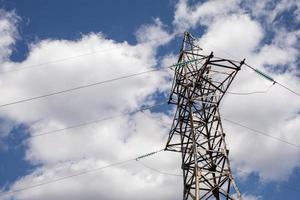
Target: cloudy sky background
(53, 46)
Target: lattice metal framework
(199, 84)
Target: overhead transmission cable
(119, 78)
(56, 61)
(86, 123)
(156, 170)
(260, 132)
(78, 88)
(252, 92)
(73, 57)
(83, 172)
(253, 130)
(266, 76)
(103, 50)
(85, 86)
(150, 70)
(111, 80)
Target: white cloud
(232, 33)
(8, 33)
(189, 16)
(236, 34)
(270, 10)
(229, 29)
(104, 145)
(122, 59)
(98, 144)
(153, 34)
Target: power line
(103, 50)
(146, 108)
(57, 61)
(65, 177)
(151, 69)
(268, 77)
(253, 92)
(86, 123)
(257, 71)
(296, 93)
(99, 83)
(89, 170)
(79, 87)
(73, 57)
(261, 132)
(115, 79)
(158, 171)
(244, 126)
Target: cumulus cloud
(105, 143)
(95, 145)
(230, 31)
(271, 10)
(236, 35)
(153, 34)
(203, 13)
(8, 33)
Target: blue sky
(43, 20)
(131, 37)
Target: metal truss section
(199, 84)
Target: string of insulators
(269, 78)
(265, 75)
(186, 62)
(148, 154)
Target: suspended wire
(268, 77)
(132, 75)
(74, 57)
(243, 126)
(129, 76)
(158, 171)
(87, 171)
(79, 87)
(57, 61)
(129, 160)
(164, 124)
(151, 69)
(257, 71)
(258, 131)
(103, 119)
(86, 123)
(254, 92)
(111, 80)
(296, 93)
(65, 177)
(261, 132)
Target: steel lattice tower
(199, 85)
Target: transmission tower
(199, 84)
